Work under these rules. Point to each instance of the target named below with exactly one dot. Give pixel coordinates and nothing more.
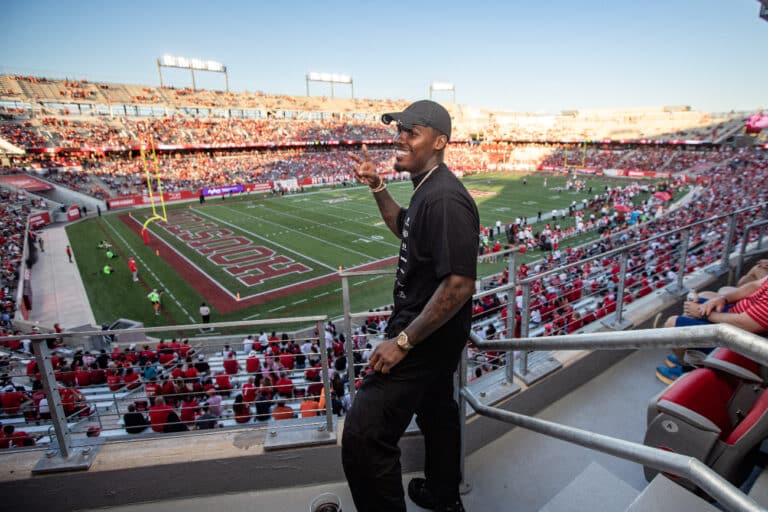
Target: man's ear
(440, 142)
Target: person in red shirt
(252, 363)
(97, 375)
(177, 372)
(189, 408)
(152, 389)
(132, 379)
(191, 375)
(231, 366)
(133, 268)
(174, 345)
(287, 361)
(82, 376)
(147, 353)
(223, 384)
(249, 391)
(12, 400)
(284, 385)
(184, 349)
(241, 410)
(114, 380)
(158, 414)
(13, 438)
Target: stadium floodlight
(443, 86)
(330, 78)
(171, 61)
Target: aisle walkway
(58, 294)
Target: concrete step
(595, 488)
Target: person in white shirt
(248, 344)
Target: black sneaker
(422, 496)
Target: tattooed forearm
(454, 291)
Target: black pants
(381, 412)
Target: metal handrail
(722, 335)
(743, 250)
(690, 468)
(67, 452)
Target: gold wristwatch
(402, 342)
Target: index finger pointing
(365, 153)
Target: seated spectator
(12, 400)
(263, 405)
(189, 408)
(214, 402)
(309, 407)
(745, 307)
(757, 272)
(158, 414)
(249, 391)
(284, 385)
(253, 363)
(134, 421)
(15, 439)
(223, 384)
(174, 424)
(201, 365)
(206, 420)
(114, 380)
(282, 411)
(132, 379)
(231, 366)
(242, 410)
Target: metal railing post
(727, 246)
(679, 288)
(525, 322)
(326, 378)
(464, 485)
(59, 419)
(349, 344)
(618, 322)
(511, 306)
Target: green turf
(323, 230)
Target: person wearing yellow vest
(154, 298)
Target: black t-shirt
(439, 233)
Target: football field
(256, 257)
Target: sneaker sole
(663, 378)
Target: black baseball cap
(422, 113)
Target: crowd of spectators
(90, 132)
(653, 158)
(564, 302)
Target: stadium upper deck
(41, 98)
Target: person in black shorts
(413, 368)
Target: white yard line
(347, 219)
(321, 240)
(265, 239)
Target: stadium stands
(558, 303)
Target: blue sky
(533, 56)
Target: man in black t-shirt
(413, 368)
